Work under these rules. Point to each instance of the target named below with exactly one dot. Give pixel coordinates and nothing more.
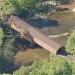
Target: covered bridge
(37, 36)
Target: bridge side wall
(44, 45)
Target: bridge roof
(34, 32)
(41, 36)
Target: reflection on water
(41, 23)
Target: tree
(53, 67)
(20, 71)
(8, 48)
(70, 44)
(28, 4)
(1, 36)
(6, 52)
(1, 22)
(6, 58)
(24, 7)
(59, 69)
(18, 6)
(39, 68)
(8, 8)
(73, 68)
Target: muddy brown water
(26, 54)
(65, 23)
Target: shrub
(56, 66)
(70, 44)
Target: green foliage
(73, 68)
(28, 4)
(39, 68)
(21, 71)
(53, 67)
(70, 45)
(60, 66)
(1, 36)
(6, 52)
(8, 48)
(8, 7)
(18, 7)
(1, 22)
(23, 7)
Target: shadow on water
(7, 65)
(61, 51)
(34, 46)
(41, 23)
(23, 44)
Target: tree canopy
(1, 36)
(50, 68)
(70, 45)
(18, 6)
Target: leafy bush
(18, 7)
(7, 7)
(73, 68)
(1, 36)
(60, 66)
(70, 44)
(20, 71)
(53, 67)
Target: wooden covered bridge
(37, 36)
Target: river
(58, 23)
